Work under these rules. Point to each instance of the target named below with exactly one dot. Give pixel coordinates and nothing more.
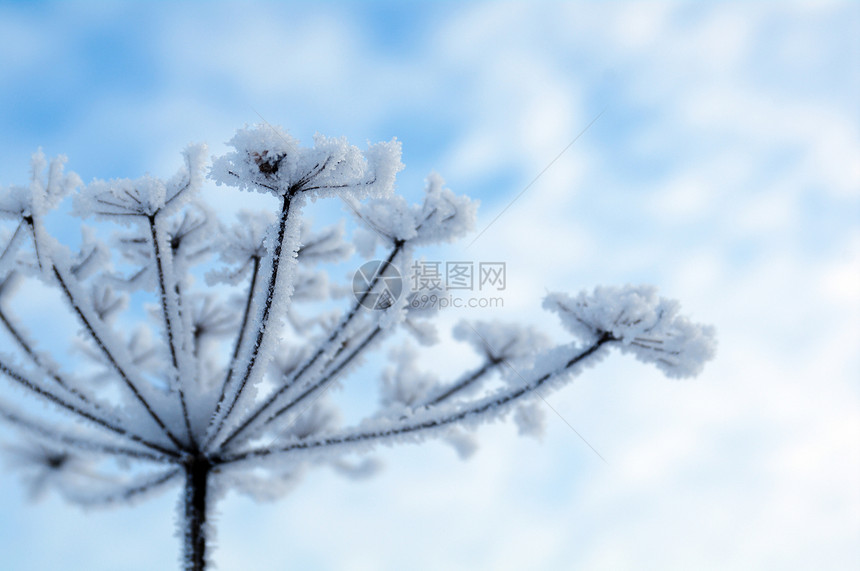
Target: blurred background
(723, 167)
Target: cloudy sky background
(724, 168)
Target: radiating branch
(317, 389)
(467, 381)
(89, 325)
(488, 405)
(32, 386)
(323, 348)
(61, 436)
(270, 293)
(218, 419)
(129, 491)
(40, 362)
(170, 309)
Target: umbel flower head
(642, 323)
(122, 199)
(267, 159)
(49, 184)
(230, 382)
(441, 217)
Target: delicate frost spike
(442, 217)
(384, 157)
(46, 190)
(643, 323)
(269, 160)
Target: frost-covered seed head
(124, 200)
(642, 323)
(267, 159)
(441, 217)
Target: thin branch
(151, 485)
(483, 406)
(494, 359)
(62, 437)
(22, 380)
(8, 249)
(258, 183)
(320, 386)
(39, 362)
(31, 223)
(345, 185)
(88, 325)
(249, 298)
(170, 326)
(179, 192)
(490, 365)
(127, 493)
(338, 330)
(262, 328)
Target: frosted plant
(223, 382)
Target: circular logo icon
(377, 284)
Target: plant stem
(196, 482)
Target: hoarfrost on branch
(224, 384)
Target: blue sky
(725, 169)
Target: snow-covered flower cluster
(441, 217)
(641, 323)
(49, 184)
(145, 196)
(230, 381)
(267, 159)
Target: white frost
(441, 217)
(644, 324)
(173, 373)
(267, 159)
